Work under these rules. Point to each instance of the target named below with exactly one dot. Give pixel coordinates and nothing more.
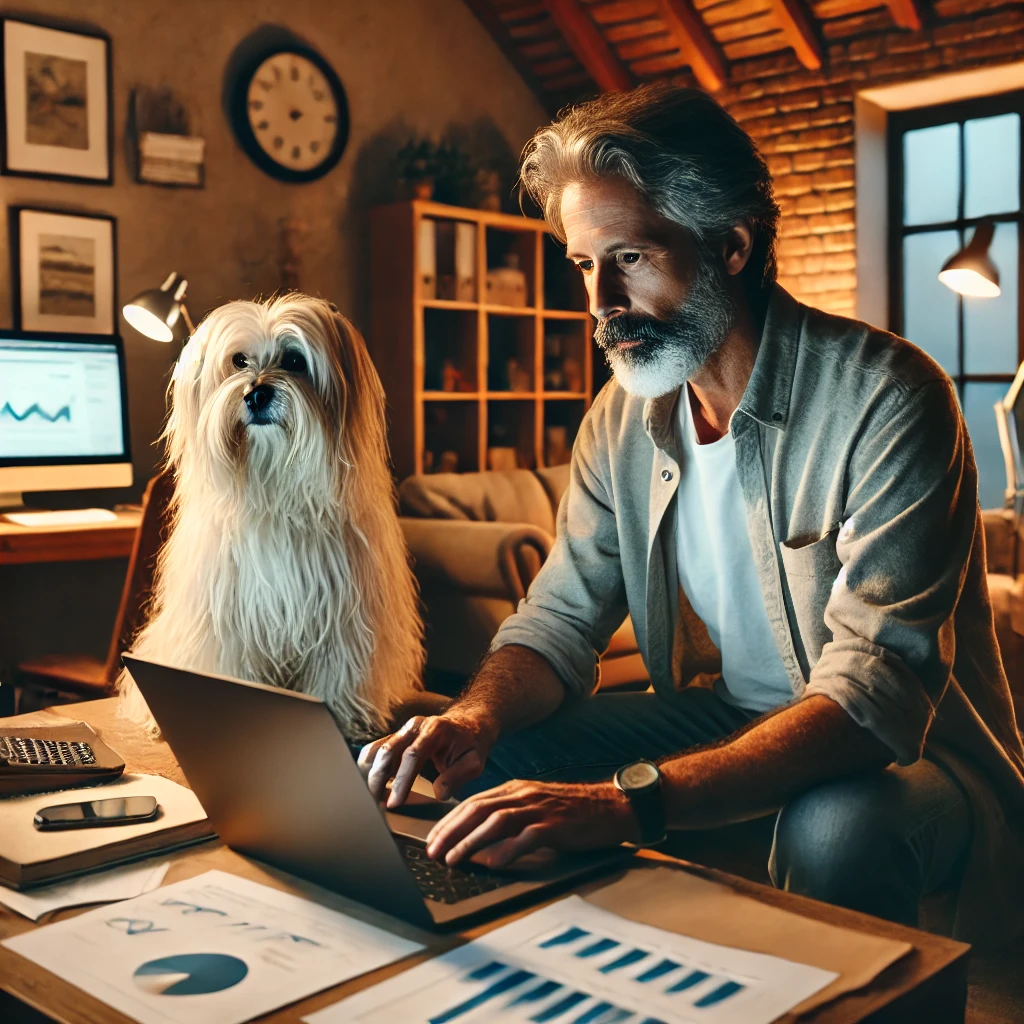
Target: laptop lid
(278, 782)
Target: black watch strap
(640, 782)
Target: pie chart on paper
(190, 974)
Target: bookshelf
(472, 383)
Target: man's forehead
(598, 212)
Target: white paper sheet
(118, 884)
(234, 948)
(573, 962)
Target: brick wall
(803, 122)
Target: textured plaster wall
(407, 65)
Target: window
(951, 167)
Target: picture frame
(64, 271)
(58, 104)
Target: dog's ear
(183, 395)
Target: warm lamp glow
(969, 282)
(159, 313)
(971, 270)
(147, 323)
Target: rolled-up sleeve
(910, 523)
(578, 599)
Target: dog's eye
(238, 361)
(293, 362)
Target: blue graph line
(569, 935)
(496, 989)
(562, 1006)
(726, 989)
(601, 946)
(691, 979)
(535, 995)
(655, 972)
(63, 413)
(632, 957)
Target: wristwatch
(640, 781)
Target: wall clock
(290, 115)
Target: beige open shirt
(861, 494)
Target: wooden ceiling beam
(695, 43)
(589, 45)
(799, 32)
(906, 13)
(497, 30)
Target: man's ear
(737, 247)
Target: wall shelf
(422, 345)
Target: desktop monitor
(63, 414)
(1010, 420)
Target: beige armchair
(1004, 551)
(478, 540)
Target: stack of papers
(573, 963)
(237, 949)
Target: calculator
(26, 751)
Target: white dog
(285, 562)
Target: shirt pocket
(811, 569)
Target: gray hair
(679, 149)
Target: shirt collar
(768, 391)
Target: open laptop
(279, 783)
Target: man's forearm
(764, 767)
(513, 688)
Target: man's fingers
(463, 770)
(502, 853)
(387, 755)
(432, 739)
(365, 760)
(500, 824)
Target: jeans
(876, 843)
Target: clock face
(293, 113)
(291, 116)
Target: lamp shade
(158, 313)
(971, 270)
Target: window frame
(900, 122)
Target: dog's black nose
(258, 397)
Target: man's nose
(258, 397)
(607, 295)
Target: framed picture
(65, 271)
(57, 104)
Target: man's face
(662, 304)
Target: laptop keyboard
(443, 884)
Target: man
(786, 504)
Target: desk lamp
(160, 313)
(971, 271)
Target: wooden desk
(929, 984)
(20, 545)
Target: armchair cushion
(515, 496)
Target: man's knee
(839, 843)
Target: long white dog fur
(285, 562)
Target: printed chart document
(234, 948)
(573, 963)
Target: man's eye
(238, 361)
(293, 362)
(585, 265)
(629, 257)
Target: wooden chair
(80, 676)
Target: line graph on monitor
(35, 409)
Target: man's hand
(457, 745)
(519, 817)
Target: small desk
(929, 984)
(20, 545)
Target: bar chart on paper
(572, 963)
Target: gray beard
(671, 350)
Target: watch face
(638, 775)
(293, 112)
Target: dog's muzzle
(257, 400)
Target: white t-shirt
(717, 572)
